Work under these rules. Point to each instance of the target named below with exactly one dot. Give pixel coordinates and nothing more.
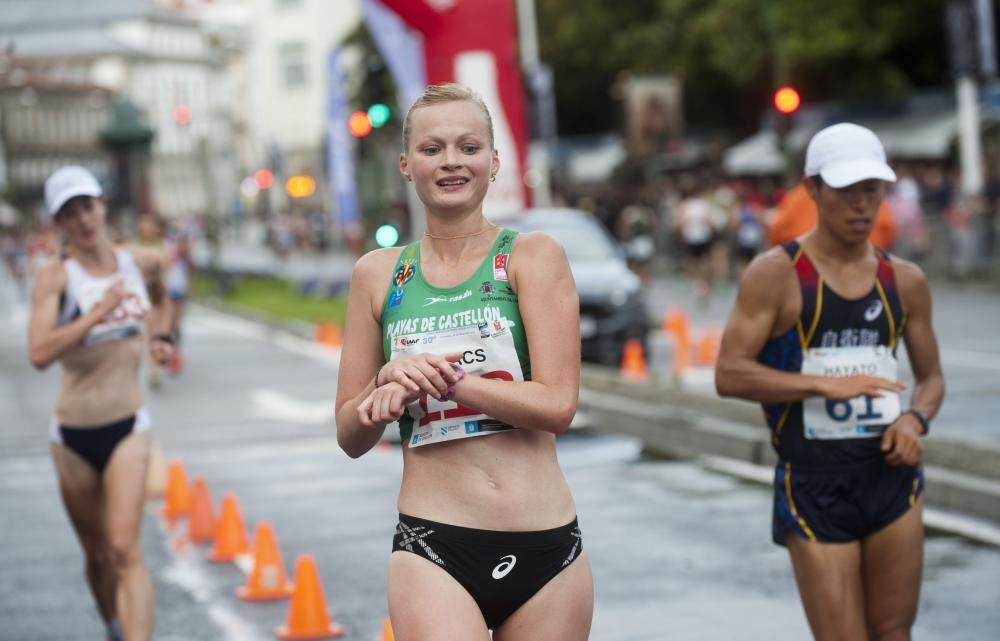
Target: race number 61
(842, 411)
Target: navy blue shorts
(843, 504)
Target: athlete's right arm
(47, 343)
(361, 355)
(763, 293)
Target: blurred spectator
(44, 246)
(748, 235)
(692, 223)
(636, 228)
(796, 215)
(962, 218)
(913, 241)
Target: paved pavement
(678, 552)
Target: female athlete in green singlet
(469, 338)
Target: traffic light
(300, 186)
(182, 114)
(386, 236)
(379, 114)
(787, 100)
(264, 178)
(359, 125)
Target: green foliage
(274, 297)
(730, 54)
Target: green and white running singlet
(479, 318)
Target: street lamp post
(540, 80)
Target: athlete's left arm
(901, 441)
(153, 264)
(550, 311)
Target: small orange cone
(334, 336)
(634, 361)
(178, 503)
(387, 633)
(201, 528)
(307, 613)
(682, 353)
(328, 333)
(708, 347)
(230, 533)
(267, 580)
(675, 321)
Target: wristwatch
(925, 423)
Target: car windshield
(581, 239)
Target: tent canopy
(907, 137)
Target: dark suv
(612, 304)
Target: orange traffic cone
(307, 614)
(319, 332)
(708, 347)
(267, 580)
(178, 503)
(334, 338)
(230, 533)
(201, 528)
(328, 333)
(682, 353)
(387, 633)
(634, 361)
(675, 321)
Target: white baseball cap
(845, 153)
(66, 183)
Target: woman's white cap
(845, 153)
(66, 183)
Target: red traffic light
(787, 100)
(182, 114)
(264, 178)
(359, 125)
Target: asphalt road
(678, 552)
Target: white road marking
(187, 571)
(272, 404)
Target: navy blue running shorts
(842, 504)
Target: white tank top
(83, 291)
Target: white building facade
(161, 61)
(291, 42)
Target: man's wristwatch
(925, 423)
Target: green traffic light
(379, 114)
(386, 236)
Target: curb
(963, 476)
(299, 328)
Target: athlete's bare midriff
(505, 482)
(100, 383)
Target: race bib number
(861, 417)
(128, 319)
(488, 352)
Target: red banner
(474, 43)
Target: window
(292, 57)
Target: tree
(730, 54)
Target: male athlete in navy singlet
(813, 337)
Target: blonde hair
(438, 94)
